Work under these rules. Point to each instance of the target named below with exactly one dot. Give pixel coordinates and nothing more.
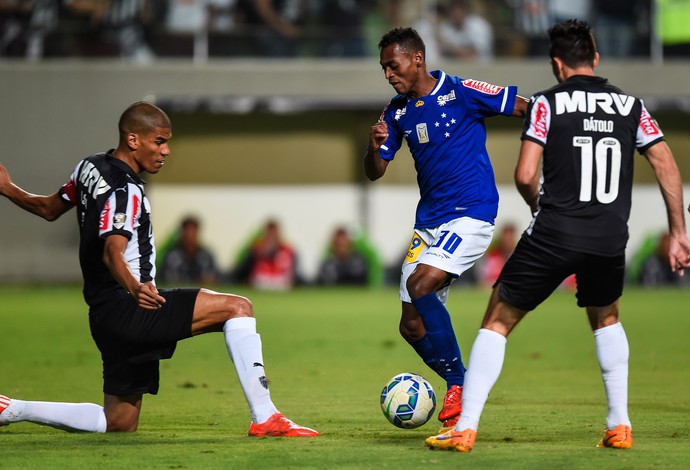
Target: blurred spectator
(187, 16)
(453, 30)
(656, 270)
(343, 265)
(532, 18)
(83, 31)
(615, 25)
(270, 263)
(103, 28)
(463, 34)
(188, 261)
(25, 25)
(275, 26)
(340, 29)
(184, 29)
(126, 22)
(428, 29)
(497, 255)
(224, 38)
(562, 10)
(221, 15)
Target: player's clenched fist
(378, 135)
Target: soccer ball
(408, 400)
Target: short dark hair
(407, 38)
(142, 117)
(572, 41)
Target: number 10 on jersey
(604, 158)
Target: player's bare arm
(667, 174)
(374, 165)
(520, 108)
(146, 294)
(527, 173)
(48, 207)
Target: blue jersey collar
(439, 75)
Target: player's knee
(418, 286)
(240, 307)
(122, 424)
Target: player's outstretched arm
(667, 174)
(374, 165)
(49, 207)
(145, 294)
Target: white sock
(483, 369)
(244, 346)
(612, 352)
(84, 417)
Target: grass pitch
(328, 353)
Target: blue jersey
(446, 135)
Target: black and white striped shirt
(110, 200)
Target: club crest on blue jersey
(422, 133)
(419, 104)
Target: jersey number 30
(604, 157)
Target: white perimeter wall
(309, 214)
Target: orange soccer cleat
(619, 438)
(279, 426)
(462, 441)
(452, 406)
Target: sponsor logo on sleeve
(105, 217)
(135, 208)
(484, 87)
(648, 125)
(540, 116)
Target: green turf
(328, 354)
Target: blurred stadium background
(258, 137)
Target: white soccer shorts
(453, 247)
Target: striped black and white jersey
(110, 199)
(589, 130)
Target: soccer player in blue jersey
(442, 119)
(575, 172)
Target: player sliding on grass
(584, 131)
(134, 324)
(442, 119)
